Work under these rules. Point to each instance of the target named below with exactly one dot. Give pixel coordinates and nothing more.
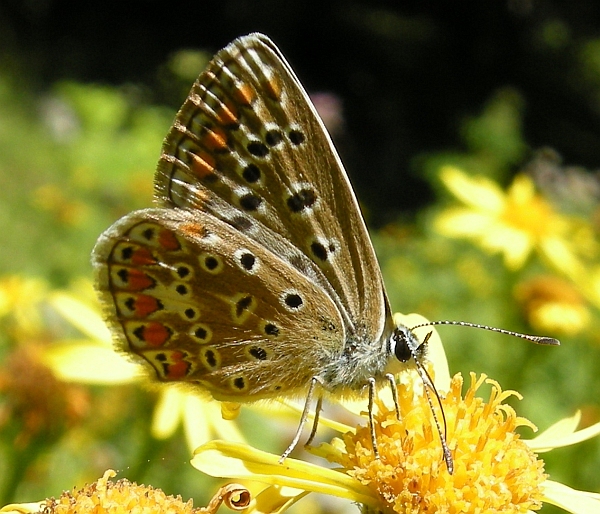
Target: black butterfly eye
(400, 346)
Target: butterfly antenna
(534, 339)
(430, 386)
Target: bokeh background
(495, 89)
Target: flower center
(494, 469)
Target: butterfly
(255, 276)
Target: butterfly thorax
(362, 360)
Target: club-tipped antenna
(534, 339)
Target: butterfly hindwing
(203, 303)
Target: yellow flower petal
(201, 417)
(167, 414)
(522, 190)
(23, 508)
(462, 222)
(234, 460)
(478, 192)
(89, 363)
(514, 244)
(563, 433)
(571, 500)
(560, 255)
(80, 315)
(275, 499)
(199, 410)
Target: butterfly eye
(401, 346)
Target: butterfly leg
(371, 420)
(314, 381)
(392, 380)
(313, 432)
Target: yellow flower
(20, 298)
(494, 469)
(553, 305)
(125, 497)
(514, 223)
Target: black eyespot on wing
(271, 329)
(248, 260)
(211, 358)
(243, 304)
(126, 253)
(148, 234)
(319, 250)
(211, 263)
(251, 173)
(258, 353)
(293, 300)
(296, 137)
(257, 149)
(250, 202)
(273, 137)
(183, 271)
(302, 199)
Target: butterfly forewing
(248, 148)
(203, 303)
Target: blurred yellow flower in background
(553, 305)
(514, 223)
